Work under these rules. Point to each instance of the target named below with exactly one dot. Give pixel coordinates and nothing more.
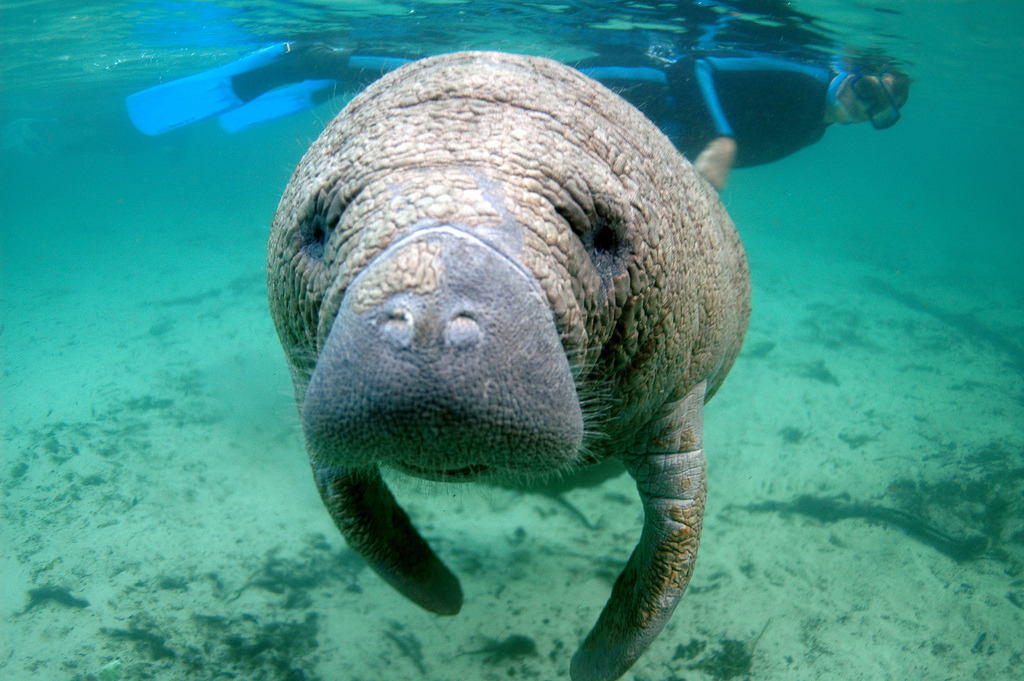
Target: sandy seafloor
(153, 465)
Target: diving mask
(876, 98)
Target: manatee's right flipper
(670, 477)
(377, 528)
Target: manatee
(489, 266)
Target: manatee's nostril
(462, 330)
(397, 327)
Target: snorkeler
(720, 108)
(747, 108)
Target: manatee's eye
(603, 234)
(313, 235)
(607, 245)
(323, 218)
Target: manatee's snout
(444, 361)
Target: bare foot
(716, 161)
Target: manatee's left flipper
(377, 528)
(671, 479)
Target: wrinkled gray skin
(491, 265)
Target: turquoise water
(157, 499)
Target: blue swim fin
(277, 103)
(192, 98)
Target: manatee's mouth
(450, 474)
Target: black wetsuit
(770, 109)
